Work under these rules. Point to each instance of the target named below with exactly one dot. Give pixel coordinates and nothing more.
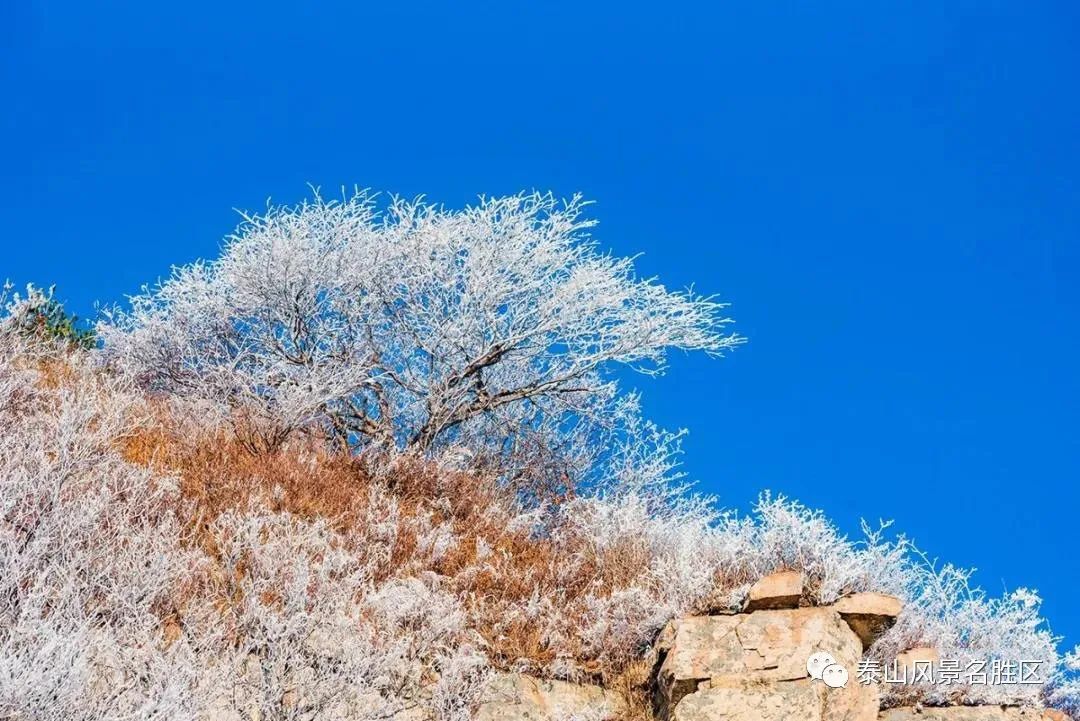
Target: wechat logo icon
(821, 666)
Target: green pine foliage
(40, 314)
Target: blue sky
(887, 193)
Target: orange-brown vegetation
(495, 565)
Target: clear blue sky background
(888, 193)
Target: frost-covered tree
(414, 327)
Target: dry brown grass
(218, 473)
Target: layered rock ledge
(752, 666)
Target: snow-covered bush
(89, 548)
(787, 535)
(944, 611)
(312, 635)
(1063, 691)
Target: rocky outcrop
(776, 662)
(753, 667)
(970, 713)
(804, 700)
(768, 664)
(908, 659)
(777, 590)
(868, 614)
(516, 697)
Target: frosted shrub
(787, 535)
(941, 608)
(315, 637)
(464, 675)
(89, 550)
(1064, 689)
(674, 553)
(295, 645)
(944, 611)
